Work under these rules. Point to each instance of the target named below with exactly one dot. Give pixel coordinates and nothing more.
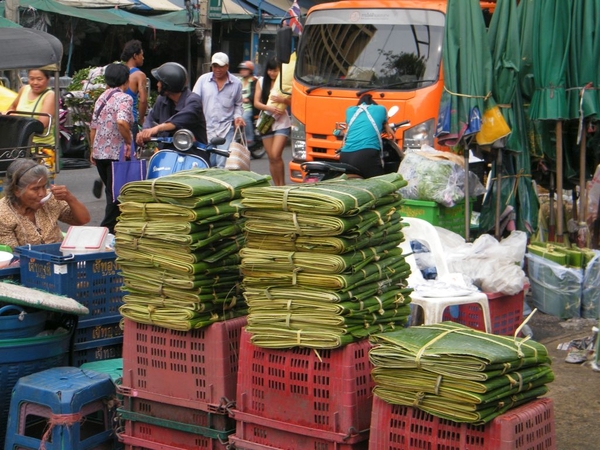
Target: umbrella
(467, 81)
(551, 28)
(583, 72)
(505, 46)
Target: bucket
(15, 322)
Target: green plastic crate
(452, 219)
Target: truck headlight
(419, 135)
(298, 138)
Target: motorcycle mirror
(392, 111)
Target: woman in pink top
(110, 132)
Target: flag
(294, 21)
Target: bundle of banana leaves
(457, 373)
(177, 243)
(321, 263)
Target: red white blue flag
(294, 21)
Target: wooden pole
(559, 182)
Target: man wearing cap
(221, 95)
(248, 87)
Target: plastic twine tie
(60, 420)
(438, 383)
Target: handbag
(124, 172)
(239, 155)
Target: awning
(95, 3)
(237, 10)
(154, 5)
(25, 48)
(112, 16)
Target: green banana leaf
(177, 319)
(165, 212)
(313, 262)
(296, 293)
(335, 198)
(271, 337)
(193, 188)
(391, 268)
(306, 224)
(441, 408)
(334, 245)
(452, 349)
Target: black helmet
(173, 77)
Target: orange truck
(389, 49)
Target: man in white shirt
(221, 95)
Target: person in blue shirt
(362, 145)
(133, 56)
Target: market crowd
(122, 119)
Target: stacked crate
(178, 386)
(302, 398)
(396, 427)
(93, 280)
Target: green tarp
(112, 16)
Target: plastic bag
(436, 176)
(493, 266)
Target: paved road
(80, 182)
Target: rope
(61, 420)
(485, 97)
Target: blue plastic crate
(94, 330)
(24, 356)
(99, 350)
(92, 279)
(10, 274)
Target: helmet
(247, 65)
(173, 77)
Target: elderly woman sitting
(30, 209)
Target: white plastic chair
(433, 307)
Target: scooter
(168, 161)
(324, 170)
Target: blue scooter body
(167, 162)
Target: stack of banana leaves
(457, 373)
(321, 264)
(177, 241)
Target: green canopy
(511, 172)
(112, 16)
(467, 73)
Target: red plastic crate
(140, 435)
(195, 369)
(256, 436)
(527, 427)
(327, 391)
(506, 312)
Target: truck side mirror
(283, 44)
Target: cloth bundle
(321, 264)
(177, 241)
(457, 373)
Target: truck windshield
(371, 48)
